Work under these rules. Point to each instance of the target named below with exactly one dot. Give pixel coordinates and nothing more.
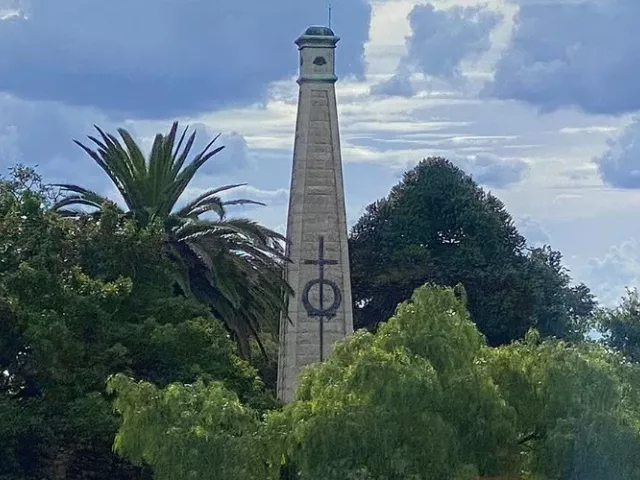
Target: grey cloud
(533, 231)
(572, 54)
(485, 168)
(168, 57)
(619, 165)
(42, 133)
(616, 269)
(234, 157)
(440, 40)
(491, 170)
(399, 85)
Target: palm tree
(235, 265)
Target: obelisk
(320, 313)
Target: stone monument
(320, 313)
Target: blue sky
(537, 99)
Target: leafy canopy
(81, 300)
(200, 431)
(407, 402)
(233, 265)
(422, 398)
(437, 225)
(620, 326)
(425, 398)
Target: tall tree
(620, 326)
(407, 402)
(422, 398)
(81, 300)
(437, 225)
(234, 265)
(425, 398)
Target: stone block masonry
(316, 209)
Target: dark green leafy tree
(232, 264)
(439, 226)
(620, 326)
(81, 300)
(562, 310)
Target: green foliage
(267, 365)
(561, 310)
(425, 398)
(438, 226)
(233, 265)
(422, 398)
(81, 300)
(90, 298)
(408, 402)
(200, 431)
(24, 183)
(620, 326)
(577, 409)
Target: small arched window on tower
(320, 65)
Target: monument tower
(320, 313)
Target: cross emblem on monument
(323, 313)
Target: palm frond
(186, 211)
(110, 173)
(74, 212)
(244, 201)
(81, 193)
(177, 148)
(217, 206)
(134, 153)
(181, 156)
(169, 142)
(157, 161)
(213, 205)
(184, 177)
(193, 228)
(76, 200)
(115, 157)
(81, 197)
(111, 161)
(235, 265)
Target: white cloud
(616, 270)
(533, 231)
(491, 170)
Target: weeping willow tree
(424, 398)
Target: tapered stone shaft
(316, 224)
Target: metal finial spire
(329, 16)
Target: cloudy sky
(537, 99)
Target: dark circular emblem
(321, 311)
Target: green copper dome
(319, 31)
